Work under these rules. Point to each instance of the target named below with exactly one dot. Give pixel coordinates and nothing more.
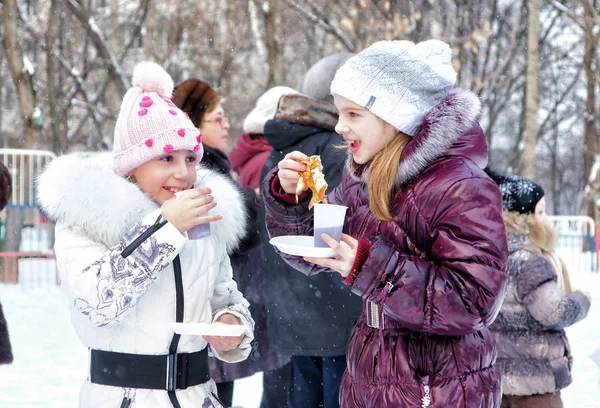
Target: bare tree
(21, 72)
(531, 100)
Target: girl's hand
(185, 210)
(225, 343)
(342, 263)
(289, 169)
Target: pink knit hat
(149, 124)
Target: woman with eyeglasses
(203, 105)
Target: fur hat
(149, 125)
(519, 194)
(265, 109)
(317, 80)
(193, 97)
(399, 81)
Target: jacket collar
(448, 129)
(523, 232)
(82, 191)
(306, 111)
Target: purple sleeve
(458, 286)
(285, 218)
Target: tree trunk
(273, 44)
(590, 147)
(20, 76)
(531, 102)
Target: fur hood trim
(82, 191)
(306, 111)
(441, 127)
(532, 237)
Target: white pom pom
(151, 77)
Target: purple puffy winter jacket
(435, 276)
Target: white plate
(302, 245)
(208, 329)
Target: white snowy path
(50, 364)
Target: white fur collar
(441, 127)
(82, 191)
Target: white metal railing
(576, 241)
(26, 238)
(24, 165)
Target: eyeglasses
(221, 121)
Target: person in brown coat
(6, 356)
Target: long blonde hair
(382, 175)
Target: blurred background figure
(251, 150)
(247, 160)
(203, 105)
(6, 356)
(534, 356)
(309, 317)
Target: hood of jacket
(82, 191)
(297, 118)
(449, 129)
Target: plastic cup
(201, 230)
(328, 219)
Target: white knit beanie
(149, 125)
(265, 109)
(399, 81)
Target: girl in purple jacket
(425, 241)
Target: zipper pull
(426, 400)
(126, 403)
(390, 286)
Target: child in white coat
(127, 265)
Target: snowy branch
(323, 24)
(101, 43)
(73, 73)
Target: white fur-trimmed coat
(127, 304)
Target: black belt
(157, 372)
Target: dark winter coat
(534, 356)
(247, 273)
(309, 316)
(435, 275)
(6, 355)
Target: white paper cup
(329, 219)
(201, 230)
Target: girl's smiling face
(366, 133)
(166, 175)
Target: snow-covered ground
(50, 363)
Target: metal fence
(26, 236)
(576, 242)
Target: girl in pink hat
(128, 265)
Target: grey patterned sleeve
(545, 300)
(115, 283)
